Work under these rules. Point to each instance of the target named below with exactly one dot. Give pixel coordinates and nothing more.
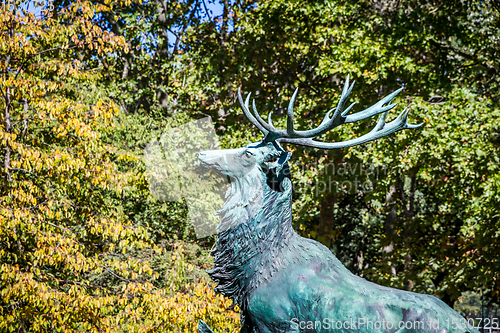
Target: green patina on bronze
(284, 282)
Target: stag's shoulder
(315, 251)
(311, 261)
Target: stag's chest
(306, 287)
(292, 292)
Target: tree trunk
(8, 128)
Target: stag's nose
(219, 159)
(207, 158)
(202, 157)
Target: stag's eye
(248, 154)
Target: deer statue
(283, 282)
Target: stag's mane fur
(256, 226)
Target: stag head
(254, 163)
(267, 159)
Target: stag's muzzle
(211, 158)
(216, 159)
(227, 161)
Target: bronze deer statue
(283, 282)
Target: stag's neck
(255, 244)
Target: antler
(333, 118)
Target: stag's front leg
(271, 316)
(246, 324)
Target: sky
(214, 8)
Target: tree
(70, 259)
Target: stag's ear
(283, 163)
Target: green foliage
(130, 135)
(444, 191)
(472, 305)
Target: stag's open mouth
(213, 166)
(204, 164)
